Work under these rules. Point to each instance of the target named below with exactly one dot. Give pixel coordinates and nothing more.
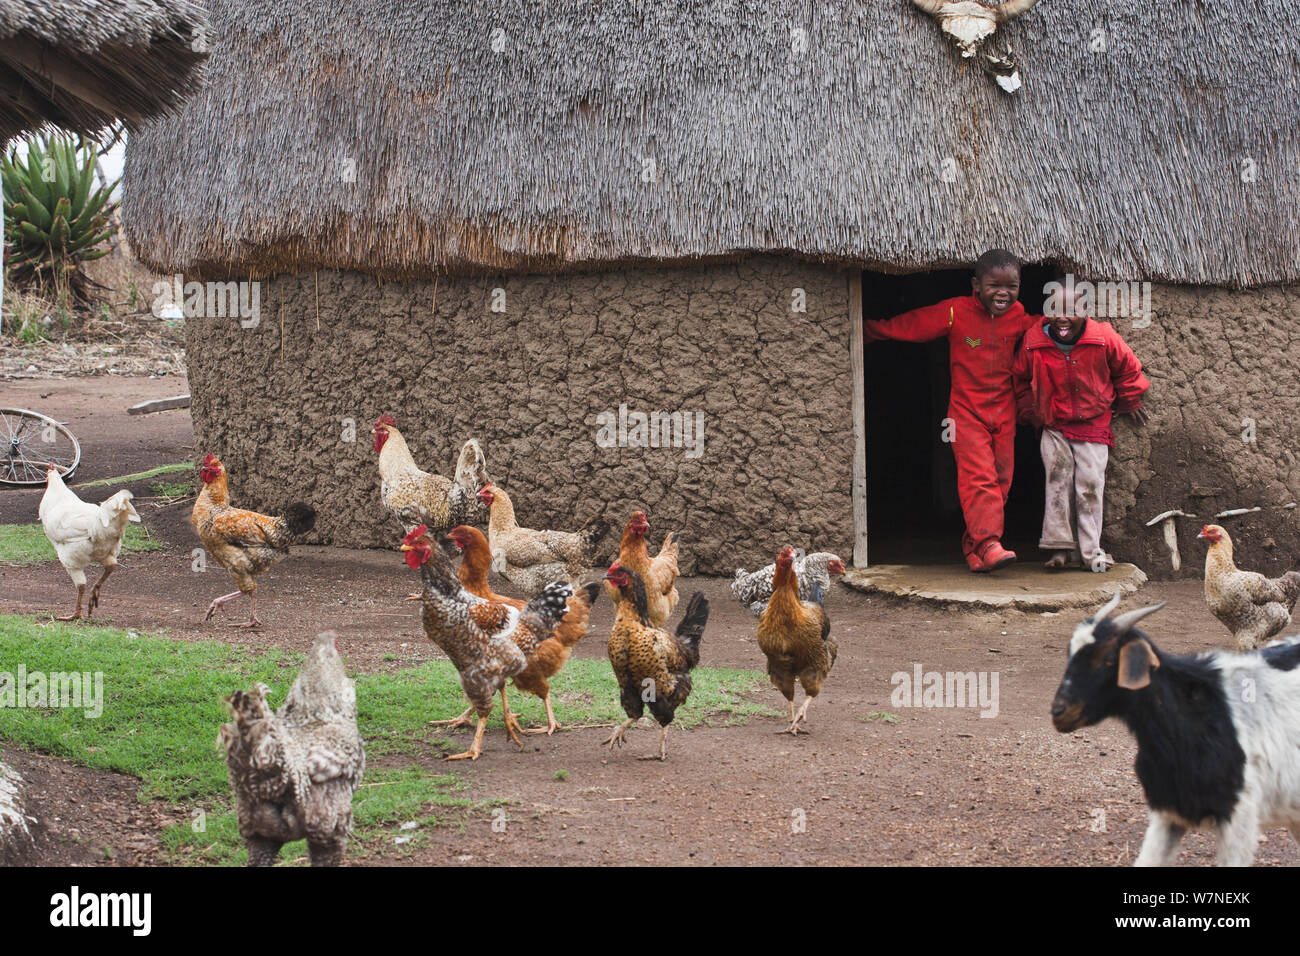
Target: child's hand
(1138, 416)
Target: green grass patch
(178, 467)
(163, 704)
(27, 544)
(884, 716)
(172, 489)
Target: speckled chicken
(754, 588)
(552, 653)
(1254, 608)
(653, 667)
(529, 558)
(415, 497)
(293, 773)
(487, 643)
(245, 543)
(658, 575)
(795, 637)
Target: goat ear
(1135, 663)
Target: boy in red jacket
(983, 330)
(1069, 373)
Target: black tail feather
(691, 627)
(299, 518)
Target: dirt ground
(939, 786)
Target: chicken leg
(219, 604)
(551, 724)
(803, 711)
(512, 723)
(663, 746)
(75, 615)
(94, 592)
(476, 747)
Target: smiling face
(997, 288)
(211, 469)
(418, 547)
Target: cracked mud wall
(1217, 359)
(773, 385)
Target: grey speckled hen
(293, 772)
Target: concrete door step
(1023, 586)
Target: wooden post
(856, 369)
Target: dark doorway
(913, 514)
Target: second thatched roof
(83, 64)
(1152, 139)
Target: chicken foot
(794, 720)
(476, 747)
(616, 738)
(75, 615)
(461, 721)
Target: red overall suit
(982, 403)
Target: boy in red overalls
(983, 330)
(1069, 373)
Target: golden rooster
(245, 543)
(795, 636)
(653, 667)
(415, 497)
(659, 575)
(487, 643)
(552, 653)
(1254, 608)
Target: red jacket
(981, 351)
(1073, 393)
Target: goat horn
(1125, 621)
(1011, 9)
(933, 7)
(1104, 612)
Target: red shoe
(993, 556)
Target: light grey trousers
(1076, 484)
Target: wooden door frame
(857, 370)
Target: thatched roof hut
(682, 204)
(82, 64)
(403, 138)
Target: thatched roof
(82, 64)
(391, 137)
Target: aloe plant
(54, 218)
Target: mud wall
(289, 403)
(1225, 431)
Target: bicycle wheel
(29, 443)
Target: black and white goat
(1218, 734)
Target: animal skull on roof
(971, 24)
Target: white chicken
(84, 534)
